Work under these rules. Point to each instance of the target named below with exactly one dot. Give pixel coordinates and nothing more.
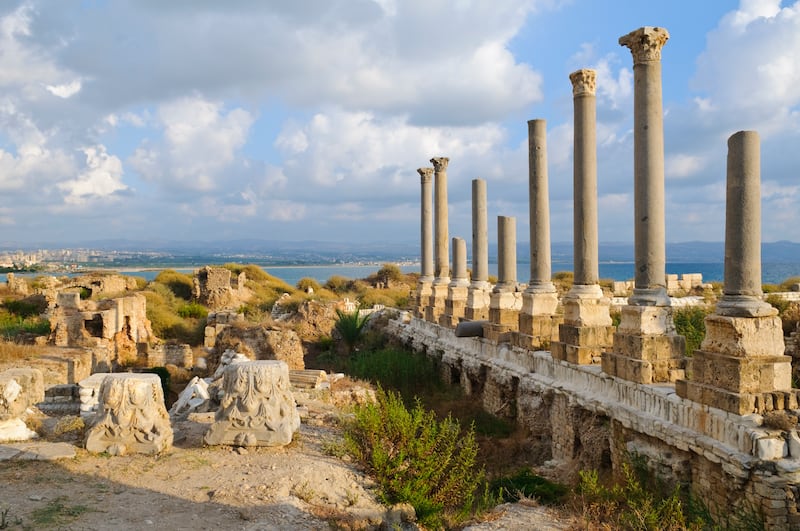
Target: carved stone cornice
(440, 163)
(426, 174)
(645, 43)
(584, 82)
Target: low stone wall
(584, 418)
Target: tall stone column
(646, 348)
(587, 328)
(479, 290)
(538, 322)
(456, 302)
(426, 241)
(506, 300)
(741, 366)
(441, 259)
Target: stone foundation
(579, 417)
(454, 307)
(436, 303)
(740, 367)
(537, 332)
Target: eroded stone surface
(257, 408)
(131, 416)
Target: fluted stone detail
(426, 224)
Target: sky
(307, 119)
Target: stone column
(441, 259)
(741, 366)
(505, 300)
(646, 348)
(457, 290)
(587, 329)
(479, 290)
(426, 241)
(538, 322)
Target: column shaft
(480, 236)
(506, 253)
(426, 236)
(585, 257)
(648, 165)
(442, 265)
(460, 275)
(539, 207)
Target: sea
(771, 273)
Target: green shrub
(389, 273)
(12, 326)
(690, 323)
(787, 284)
(527, 484)
(24, 308)
(307, 282)
(338, 284)
(349, 325)
(416, 459)
(193, 310)
(180, 284)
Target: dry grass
(10, 351)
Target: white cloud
(201, 143)
(65, 90)
(101, 179)
(680, 166)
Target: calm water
(771, 273)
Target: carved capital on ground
(645, 43)
(584, 82)
(440, 163)
(426, 174)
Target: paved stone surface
(36, 451)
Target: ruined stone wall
(592, 420)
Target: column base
(454, 306)
(436, 303)
(537, 332)
(423, 297)
(582, 345)
(478, 301)
(498, 333)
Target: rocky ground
(301, 486)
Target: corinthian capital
(645, 43)
(584, 82)
(426, 174)
(440, 163)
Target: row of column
(740, 365)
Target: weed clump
(417, 459)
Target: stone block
(537, 332)
(497, 332)
(257, 407)
(504, 317)
(601, 337)
(649, 347)
(646, 320)
(131, 417)
(19, 389)
(744, 336)
(477, 313)
(742, 375)
(534, 303)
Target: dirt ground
(300, 486)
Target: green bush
(307, 282)
(787, 284)
(527, 484)
(350, 325)
(23, 308)
(193, 310)
(338, 284)
(410, 373)
(180, 284)
(690, 323)
(11, 326)
(416, 459)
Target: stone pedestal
(423, 297)
(131, 417)
(740, 366)
(646, 348)
(587, 330)
(436, 302)
(538, 321)
(19, 389)
(478, 300)
(504, 307)
(257, 409)
(455, 306)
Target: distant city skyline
(306, 120)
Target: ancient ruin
(19, 389)
(131, 417)
(423, 293)
(441, 281)
(214, 287)
(257, 408)
(719, 426)
(479, 289)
